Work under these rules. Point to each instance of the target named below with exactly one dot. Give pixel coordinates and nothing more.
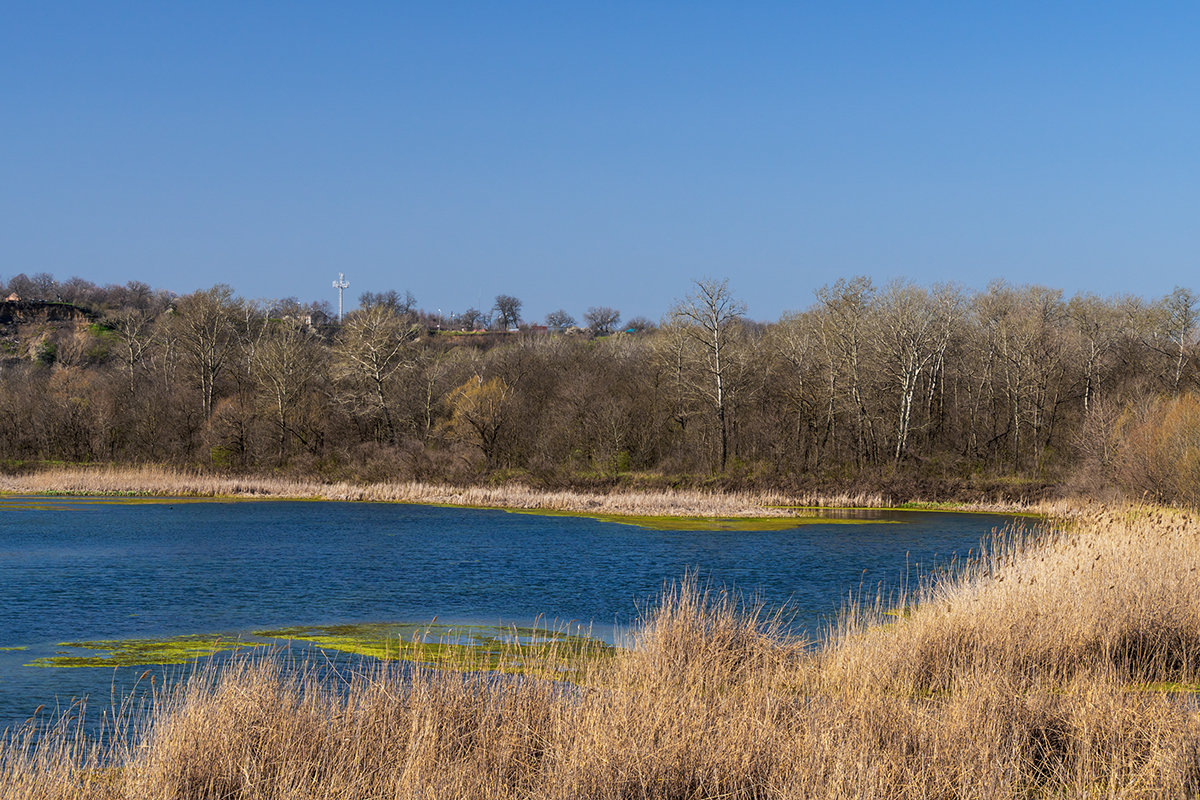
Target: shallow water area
(105, 570)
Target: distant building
(13, 298)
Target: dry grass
(166, 482)
(1117, 591)
(1014, 679)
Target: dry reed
(167, 482)
(1016, 677)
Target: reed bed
(1117, 591)
(1053, 666)
(166, 482)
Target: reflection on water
(84, 570)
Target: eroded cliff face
(16, 312)
(32, 329)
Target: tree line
(1008, 391)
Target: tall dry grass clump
(1019, 676)
(1118, 592)
(56, 760)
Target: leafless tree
(1176, 316)
(508, 311)
(845, 310)
(602, 320)
(559, 320)
(708, 316)
(1099, 326)
(473, 319)
(287, 360)
(375, 343)
(912, 329)
(135, 334)
(205, 328)
(403, 304)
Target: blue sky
(606, 153)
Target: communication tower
(341, 284)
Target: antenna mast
(341, 284)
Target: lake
(74, 569)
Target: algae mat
(468, 647)
(139, 652)
(672, 523)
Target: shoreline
(109, 481)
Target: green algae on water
(14, 647)
(141, 652)
(463, 647)
(34, 505)
(672, 523)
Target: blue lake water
(81, 569)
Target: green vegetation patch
(466, 647)
(668, 523)
(139, 652)
(17, 647)
(33, 505)
(46, 502)
(1171, 687)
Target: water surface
(85, 569)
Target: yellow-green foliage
(135, 652)
(1159, 449)
(464, 647)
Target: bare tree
(473, 319)
(1023, 332)
(373, 345)
(80, 292)
(403, 304)
(909, 329)
(286, 361)
(798, 379)
(204, 324)
(508, 311)
(602, 320)
(1179, 316)
(708, 315)
(845, 310)
(134, 329)
(559, 320)
(1098, 323)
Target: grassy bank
(1062, 663)
(165, 482)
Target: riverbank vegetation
(167, 482)
(899, 392)
(665, 509)
(1063, 662)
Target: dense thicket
(913, 390)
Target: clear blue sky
(600, 153)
